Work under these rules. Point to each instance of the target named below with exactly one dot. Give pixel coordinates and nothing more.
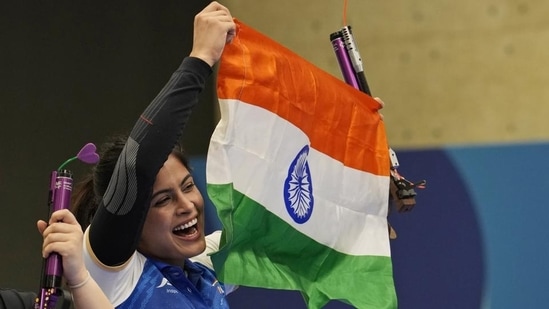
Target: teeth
(186, 225)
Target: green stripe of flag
(260, 245)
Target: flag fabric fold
(298, 170)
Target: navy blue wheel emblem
(298, 188)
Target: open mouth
(188, 229)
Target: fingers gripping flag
(298, 169)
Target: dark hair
(89, 191)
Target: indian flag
(298, 169)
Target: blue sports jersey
(166, 286)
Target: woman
(149, 220)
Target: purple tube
(344, 61)
(47, 299)
(61, 189)
(59, 198)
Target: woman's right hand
(213, 28)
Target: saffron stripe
(339, 120)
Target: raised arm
(116, 227)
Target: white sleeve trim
(212, 246)
(116, 282)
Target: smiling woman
(147, 215)
(174, 228)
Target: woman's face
(174, 227)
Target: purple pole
(343, 59)
(60, 198)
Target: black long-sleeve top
(117, 225)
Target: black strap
(13, 299)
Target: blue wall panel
(509, 187)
